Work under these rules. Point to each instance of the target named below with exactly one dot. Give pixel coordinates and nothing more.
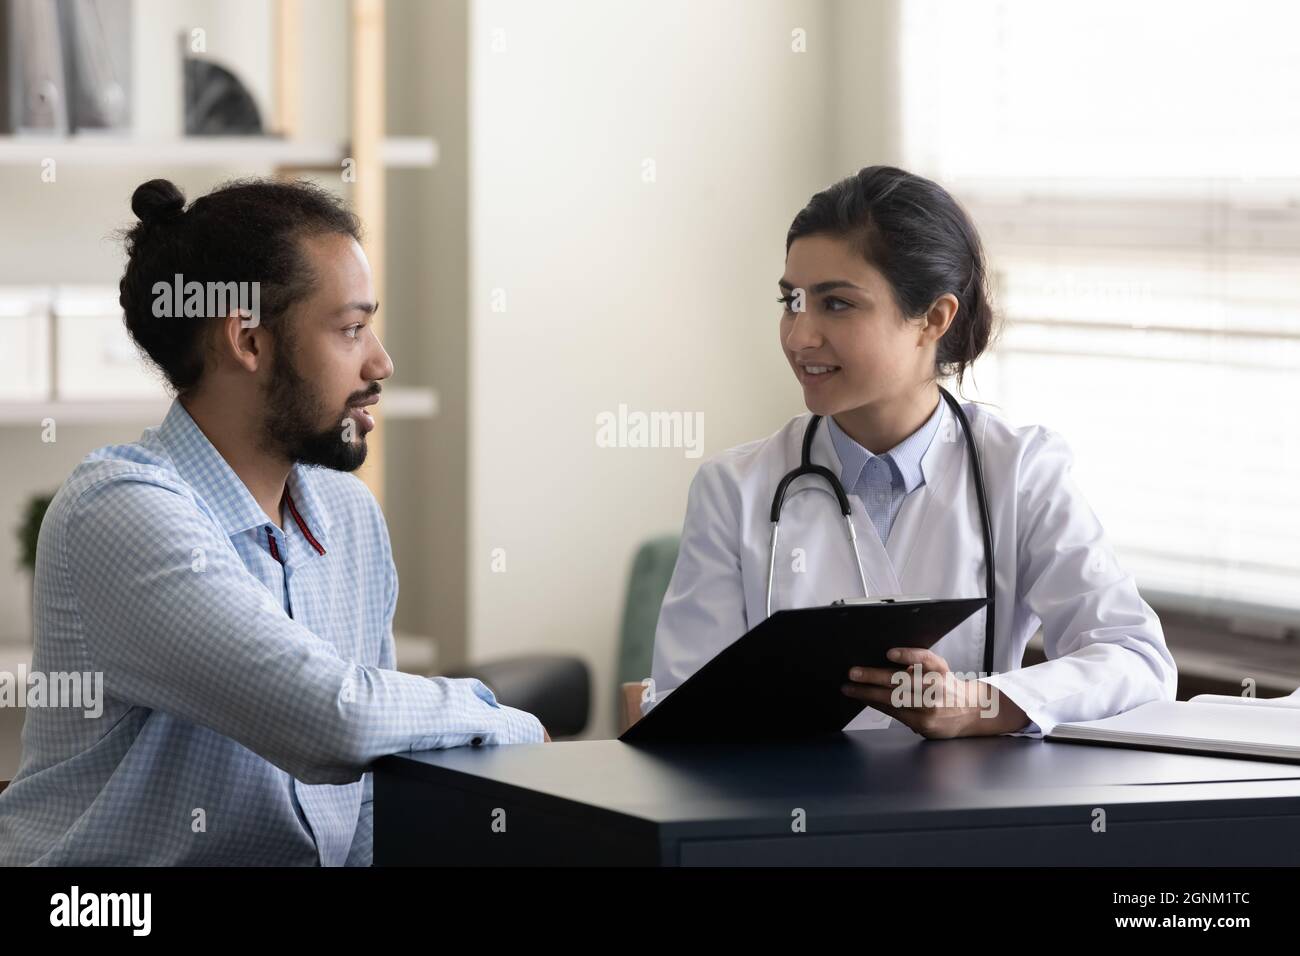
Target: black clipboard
(782, 679)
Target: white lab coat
(1105, 646)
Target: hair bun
(158, 200)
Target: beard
(294, 413)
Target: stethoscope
(806, 467)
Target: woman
(884, 294)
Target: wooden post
(288, 68)
(368, 190)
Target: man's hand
(931, 700)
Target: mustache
(368, 395)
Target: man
(229, 578)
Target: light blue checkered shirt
(881, 482)
(247, 671)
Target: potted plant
(28, 533)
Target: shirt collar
(907, 456)
(304, 496)
(204, 469)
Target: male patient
(229, 578)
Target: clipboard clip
(856, 601)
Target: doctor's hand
(933, 701)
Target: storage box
(96, 357)
(25, 358)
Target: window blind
(1132, 171)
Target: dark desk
(883, 797)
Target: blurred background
(577, 212)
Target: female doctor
(884, 293)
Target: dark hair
(243, 231)
(923, 243)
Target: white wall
(425, 320)
(863, 126)
(657, 295)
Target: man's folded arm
(176, 623)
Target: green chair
(652, 569)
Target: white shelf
(408, 402)
(416, 653)
(109, 150)
(394, 403)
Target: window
(1132, 170)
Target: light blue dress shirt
(248, 673)
(881, 482)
